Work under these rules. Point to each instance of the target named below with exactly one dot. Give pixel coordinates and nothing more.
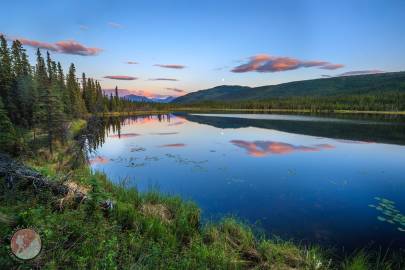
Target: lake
(330, 181)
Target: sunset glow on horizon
(160, 49)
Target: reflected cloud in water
(164, 133)
(173, 145)
(124, 136)
(98, 160)
(264, 148)
(147, 119)
(177, 123)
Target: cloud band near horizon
(172, 66)
(175, 90)
(120, 77)
(164, 79)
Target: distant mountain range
(137, 98)
(335, 86)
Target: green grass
(82, 236)
(77, 125)
(144, 230)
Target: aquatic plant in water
(389, 213)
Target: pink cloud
(332, 66)
(124, 135)
(73, 47)
(173, 66)
(173, 145)
(99, 160)
(163, 79)
(178, 123)
(64, 46)
(164, 133)
(120, 77)
(264, 148)
(268, 63)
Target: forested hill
(327, 87)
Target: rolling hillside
(336, 86)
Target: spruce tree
(49, 111)
(7, 134)
(116, 100)
(76, 106)
(5, 74)
(21, 91)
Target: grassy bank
(142, 230)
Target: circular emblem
(25, 244)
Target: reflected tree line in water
(390, 130)
(99, 128)
(379, 129)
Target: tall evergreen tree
(116, 100)
(75, 104)
(85, 91)
(49, 66)
(6, 78)
(21, 91)
(7, 134)
(41, 83)
(49, 112)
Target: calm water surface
(311, 179)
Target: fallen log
(17, 174)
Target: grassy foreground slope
(141, 230)
(326, 87)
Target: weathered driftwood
(17, 174)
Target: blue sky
(218, 42)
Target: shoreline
(188, 109)
(159, 224)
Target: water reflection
(124, 136)
(264, 148)
(178, 123)
(391, 130)
(173, 145)
(325, 173)
(98, 160)
(163, 133)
